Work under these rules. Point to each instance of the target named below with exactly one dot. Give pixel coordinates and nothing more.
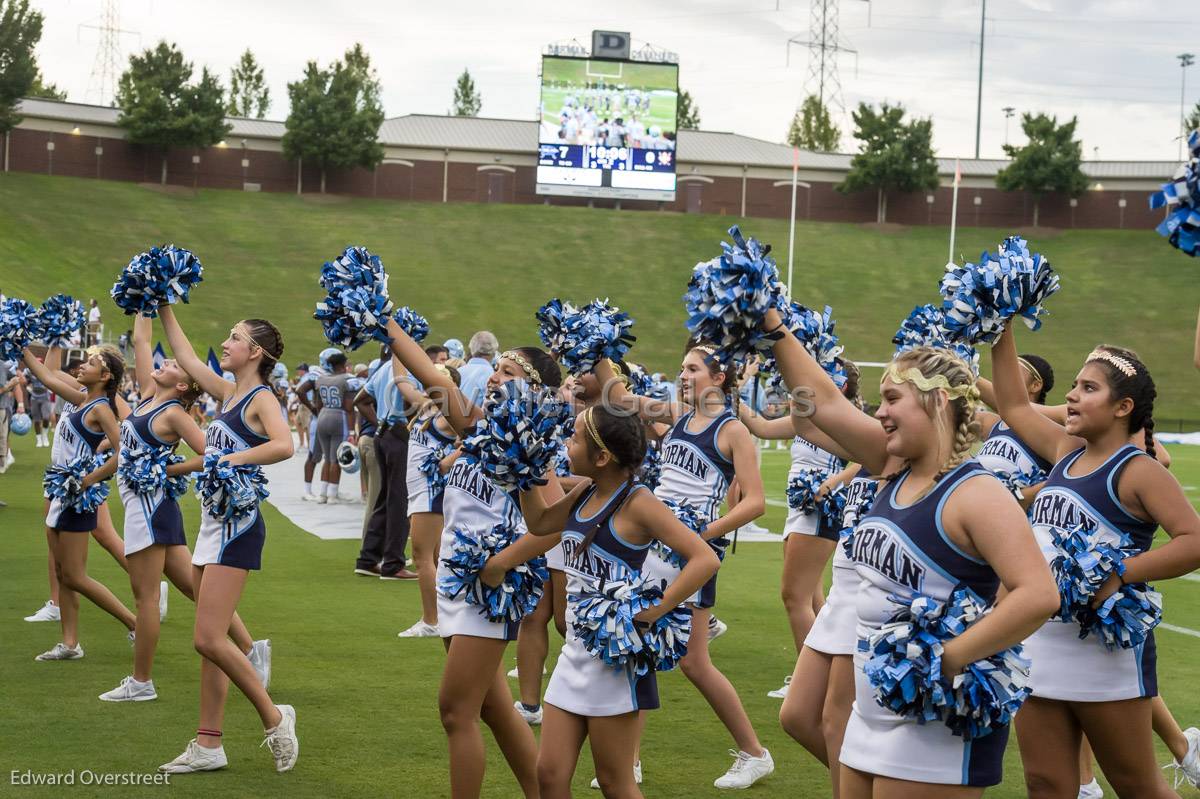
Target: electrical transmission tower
(824, 47)
(106, 69)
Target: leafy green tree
(812, 127)
(162, 108)
(1192, 120)
(467, 100)
(20, 31)
(687, 113)
(41, 88)
(335, 115)
(1048, 162)
(248, 92)
(894, 155)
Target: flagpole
(953, 210)
(792, 226)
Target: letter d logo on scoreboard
(610, 44)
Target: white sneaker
(746, 770)
(62, 652)
(47, 612)
(196, 758)
(132, 637)
(260, 659)
(532, 718)
(716, 628)
(781, 693)
(162, 601)
(282, 740)
(637, 776)
(514, 674)
(130, 690)
(1189, 769)
(306, 497)
(1091, 790)
(419, 630)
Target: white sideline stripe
(777, 503)
(1195, 578)
(1183, 630)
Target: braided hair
(1138, 387)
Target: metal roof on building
(483, 134)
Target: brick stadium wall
(221, 168)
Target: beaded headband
(1125, 367)
(519, 359)
(967, 391)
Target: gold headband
(245, 331)
(1034, 373)
(1124, 366)
(593, 432)
(967, 391)
(526, 366)
(707, 349)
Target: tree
(687, 113)
(467, 100)
(248, 92)
(161, 108)
(812, 128)
(1048, 162)
(893, 156)
(335, 115)
(20, 31)
(41, 88)
(1192, 120)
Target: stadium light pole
(979, 90)
(1008, 114)
(792, 225)
(1185, 61)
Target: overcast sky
(1111, 63)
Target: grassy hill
(468, 266)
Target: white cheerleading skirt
(587, 686)
(834, 631)
(1071, 669)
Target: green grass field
(583, 71)
(366, 701)
(468, 266)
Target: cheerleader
(248, 423)
(940, 522)
(473, 685)
(431, 453)
(155, 543)
(79, 434)
(705, 450)
(607, 524)
(1079, 686)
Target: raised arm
(544, 519)
(859, 435)
(459, 411)
(181, 348)
(804, 427)
(1044, 436)
(615, 393)
(143, 358)
(764, 428)
(60, 383)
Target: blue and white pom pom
(1182, 199)
(640, 382)
(65, 483)
(510, 601)
(230, 492)
(356, 305)
(1017, 481)
(802, 490)
(815, 332)
(728, 297)
(412, 323)
(978, 300)
(588, 335)
(431, 467)
(925, 326)
(176, 485)
(19, 323)
(161, 275)
(551, 325)
(852, 514)
(1086, 559)
(144, 469)
(604, 624)
(649, 473)
(519, 435)
(59, 318)
(904, 667)
(686, 513)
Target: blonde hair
(931, 370)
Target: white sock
(320, 484)
(331, 489)
(308, 488)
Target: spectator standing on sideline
(438, 354)
(368, 423)
(11, 397)
(455, 348)
(303, 412)
(475, 373)
(41, 410)
(94, 324)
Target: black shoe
(370, 571)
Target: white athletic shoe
(282, 740)
(781, 693)
(637, 776)
(1189, 769)
(534, 718)
(196, 758)
(162, 601)
(419, 630)
(1091, 790)
(260, 659)
(62, 652)
(131, 636)
(514, 674)
(312, 497)
(47, 612)
(130, 690)
(746, 770)
(716, 628)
